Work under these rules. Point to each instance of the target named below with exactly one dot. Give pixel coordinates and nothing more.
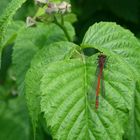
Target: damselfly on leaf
(101, 64)
(97, 82)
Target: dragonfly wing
(102, 85)
(92, 90)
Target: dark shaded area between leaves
(123, 12)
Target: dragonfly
(101, 65)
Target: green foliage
(65, 88)
(123, 12)
(27, 9)
(127, 10)
(136, 124)
(70, 18)
(6, 62)
(3, 5)
(6, 18)
(29, 41)
(14, 120)
(124, 48)
(113, 40)
(54, 52)
(11, 33)
(59, 77)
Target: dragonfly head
(101, 59)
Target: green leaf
(3, 5)
(14, 120)
(71, 17)
(68, 93)
(28, 9)
(28, 42)
(113, 40)
(8, 42)
(136, 125)
(5, 63)
(66, 106)
(6, 18)
(117, 42)
(132, 132)
(54, 52)
(70, 30)
(12, 30)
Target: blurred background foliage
(14, 119)
(124, 12)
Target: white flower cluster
(53, 8)
(61, 8)
(39, 2)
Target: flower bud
(30, 22)
(64, 7)
(41, 2)
(52, 8)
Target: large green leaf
(29, 41)
(113, 40)
(54, 52)
(67, 88)
(120, 43)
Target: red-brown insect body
(101, 63)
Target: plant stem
(62, 26)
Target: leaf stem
(62, 26)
